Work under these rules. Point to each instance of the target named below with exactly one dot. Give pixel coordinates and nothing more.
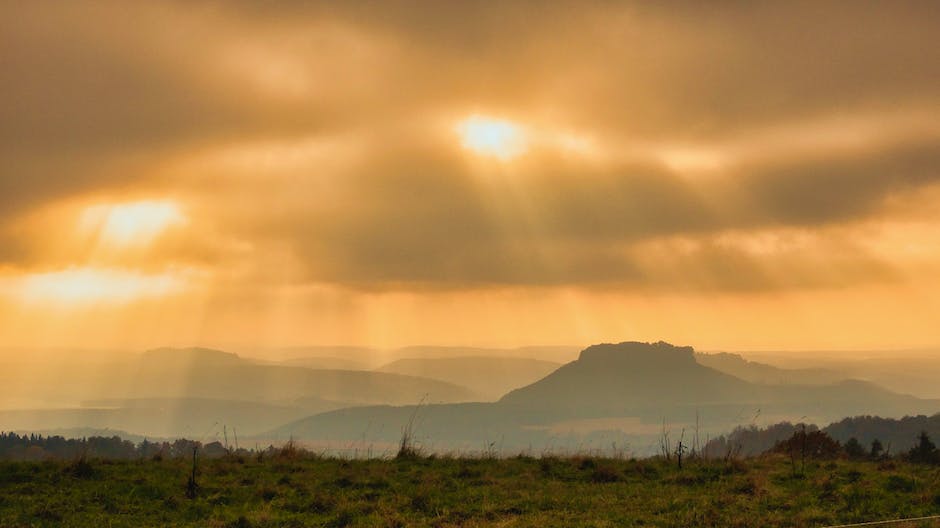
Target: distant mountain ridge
(642, 382)
(207, 373)
(171, 391)
(372, 358)
(909, 371)
(189, 355)
(325, 363)
(656, 377)
(756, 372)
(611, 394)
(630, 374)
(489, 376)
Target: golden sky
(726, 175)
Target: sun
(491, 137)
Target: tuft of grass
(407, 447)
(291, 451)
(81, 468)
(899, 484)
(240, 522)
(605, 474)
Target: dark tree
(853, 448)
(925, 452)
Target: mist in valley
(619, 397)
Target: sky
(727, 175)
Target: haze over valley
(622, 395)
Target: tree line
(38, 447)
(857, 437)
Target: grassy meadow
(295, 490)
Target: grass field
(575, 491)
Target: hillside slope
(184, 391)
(756, 372)
(489, 376)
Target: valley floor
(295, 490)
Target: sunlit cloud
(821, 136)
(85, 286)
(131, 224)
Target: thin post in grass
(803, 450)
(191, 483)
(680, 448)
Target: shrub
(812, 444)
(898, 483)
(925, 452)
(853, 448)
(290, 451)
(81, 468)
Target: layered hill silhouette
(325, 362)
(630, 375)
(179, 391)
(624, 390)
(215, 374)
(207, 373)
(489, 376)
(365, 358)
(159, 417)
(612, 394)
(915, 371)
(641, 376)
(757, 372)
(556, 354)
